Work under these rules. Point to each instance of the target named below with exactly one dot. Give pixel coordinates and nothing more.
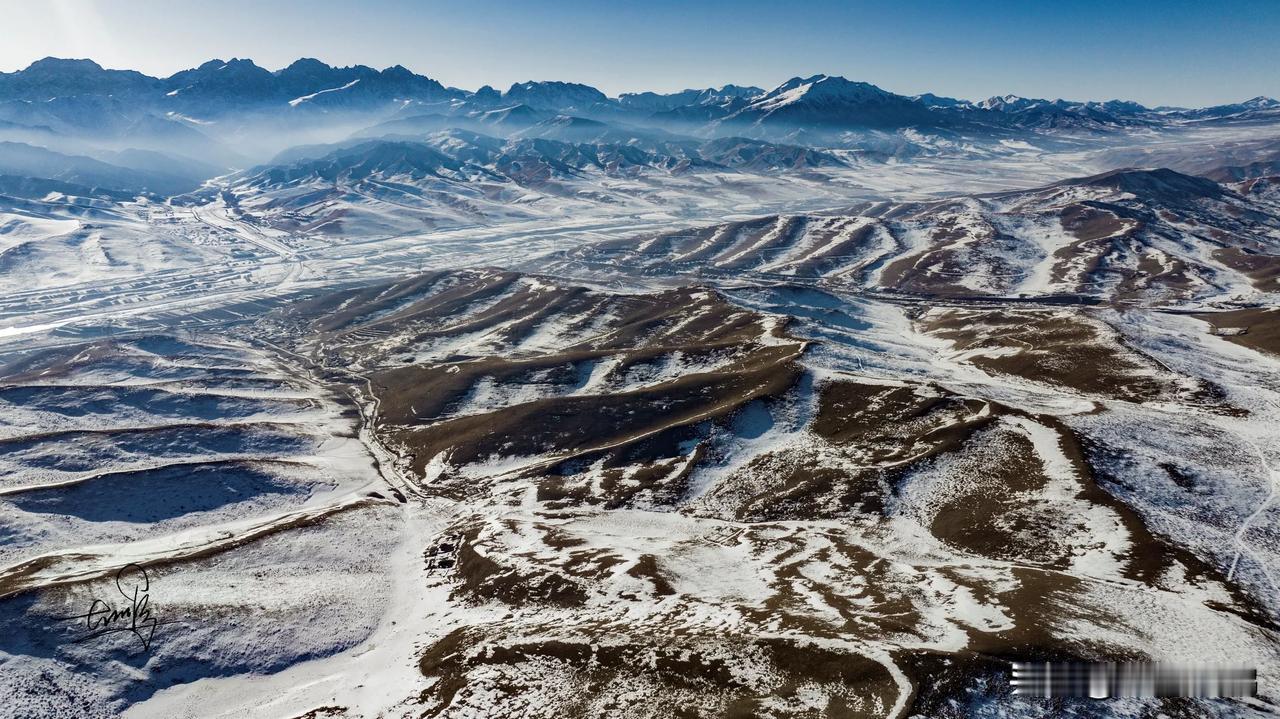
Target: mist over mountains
(89, 156)
(166, 135)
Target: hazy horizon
(1156, 53)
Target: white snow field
(835, 442)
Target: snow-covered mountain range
(233, 113)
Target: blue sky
(1166, 52)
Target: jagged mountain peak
(62, 64)
(220, 68)
(821, 88)
(240, 65)
(54, 77)
(1261, 102)
(831, 101)
(554, 94)
(305, 64)
(1009, 102)
(399, 71)
(486, 93)
(929, 99)
(213, 64)
(661, 102)
(1118, 104)
(55, 70)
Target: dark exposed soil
(1262, 269)
(637, 430)
(1053, 347)
(689, 678)
(1261, 325)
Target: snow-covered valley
(428, 422)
